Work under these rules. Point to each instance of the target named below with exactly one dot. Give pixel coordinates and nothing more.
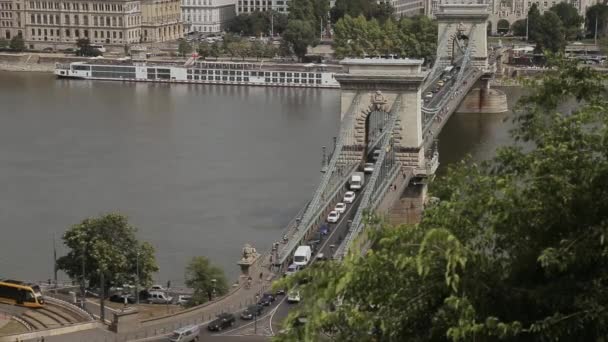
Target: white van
(302, 256)
(185, 334)
(98, 47)
(157, 297)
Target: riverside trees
(206, 280)
(516, 249)
(107, 244)
(409, 37)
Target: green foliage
(519, 28)
(85, 49)
(215, 50)
(599, 12)
(258, 23)
(200, 275)
(411, 37)
(184, 48)
(551, 33)
(515, 250)
(203, 50)
(17, 43)
(299, 35)
(109, 245)
(3, 43)
(569, 17)
(370, 9)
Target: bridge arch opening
(503, 26)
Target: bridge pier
(483, 99)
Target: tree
(215, 50)
(206, 280)
(534, 18)
(17, 43)
(519, 28)
(597, 13)
(107, 243)
(257, 49)
(3, 43)
(204, 50)
(515, 250)
(550, 33)
(184, 48)
(370, 9)
(299, 35)
(570, 18)
(85, 49)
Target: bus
(19, 293)
(98, 47)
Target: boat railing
(63, 66)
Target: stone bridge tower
(387, 78)
(467, 24)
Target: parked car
(333, 216)
(252, 311)
(120, 298)
(280, 292)
(222, 322)
(368, 168)
(157, 297)
(321, 257)
(267, 299)
(349, 197)
(185, 334)
(340, 207)
(428, 95)
(294, 296)
(183, 299)
(157, 287)
(314, 240)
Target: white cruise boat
(206, 72)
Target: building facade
(503, 13)
(207, 16)
(11, 22)
(407, 8)
(60, 24)
(161, 20)
(249, 6)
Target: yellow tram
(20, 293)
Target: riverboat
(206, 72)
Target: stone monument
(250, 255)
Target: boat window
(246, 79)
(204, 78)
(318, 75)
(189, 77)
(196, 78)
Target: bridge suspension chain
(373, 184)
(337, 170)
(433, 74)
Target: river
(200, 170)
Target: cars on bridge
(333, 216)
(223, 321)
(324, 230)
(292, 269)
(120, 298)
(349, 197)
(368, 168)
(340, 207)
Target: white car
(333, 216)
(293, 296)
(183, 299)
(368, 168)
(428, 95)
(340, 208)
(349, 197)
(157, 287)
(292, 269)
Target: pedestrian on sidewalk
(261, 276)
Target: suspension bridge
(392, 111)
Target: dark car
(252, 311)
(324, 230)
(118, 298)
(222, 321)
(267, 299)
(316, 238)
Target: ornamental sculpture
(378, 102)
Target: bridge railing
(331, 183)
(372, 186)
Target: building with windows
(161, 20)
(407, 8)
(207, 16)
(11, 23)
(503, 13)
(248, 6)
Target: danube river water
(200, 170)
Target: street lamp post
(83, 284)
(137, 282)
(255, 315)
(213, 281)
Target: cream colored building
(208, 16)
(11, 23)
(161, 20)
